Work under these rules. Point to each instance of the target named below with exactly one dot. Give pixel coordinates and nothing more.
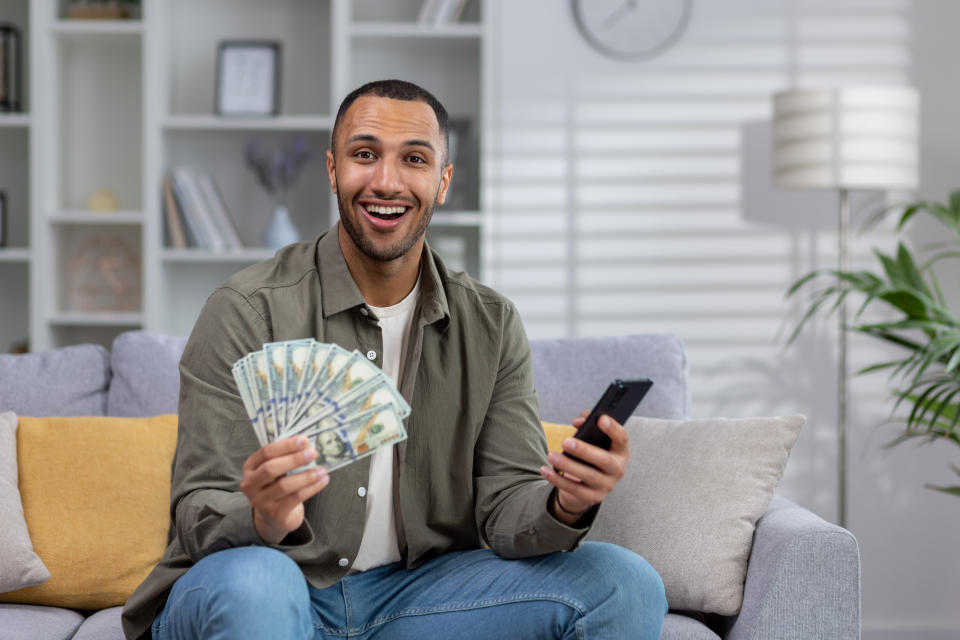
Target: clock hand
(618, 14)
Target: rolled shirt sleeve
(511, 496)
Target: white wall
(621, 202)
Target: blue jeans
(598, 591)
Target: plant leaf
(953, 491)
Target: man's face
(388, 174)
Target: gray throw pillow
(690, 500)
(20, 566)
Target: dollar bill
(358, 437)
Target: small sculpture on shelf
(277, 171)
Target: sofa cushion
(20, 566)
(19, 621)
(95, 494)
(690, 499)
(103, 625)
(71, 381)
(146, 375)
(571, 374)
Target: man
(390, 546)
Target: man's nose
(386, 178)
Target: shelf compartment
(100, 121)
(458, 246)
(221, 154)
(15, 296)
(15, 182)
(194, 31)
(220, 123)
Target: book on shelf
(222, 219)
(176, 236)
(207, 222)
(439, 12)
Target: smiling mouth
(385, 213)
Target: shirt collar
(339, 292)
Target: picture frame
(11, 68)
(248, 78)
(3, 219)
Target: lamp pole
(842, 365)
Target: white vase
(281, 231)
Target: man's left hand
(579, 486)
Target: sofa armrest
(803, 580)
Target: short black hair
(397, 90)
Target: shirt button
(371, 355)
(364, 312)
(343, 562)
(362, 491)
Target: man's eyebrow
(369, 137)
(363, 137)
(421, 143)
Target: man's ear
(445, 176)
(331, 172)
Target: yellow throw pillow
(556, 433)
(95, 494)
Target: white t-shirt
(379, 545)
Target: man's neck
(382, 284)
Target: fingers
(584, 495)
(619, 438)
(297, 487)
(274, 449)
(579, 420)
(590, 484)
(581, 474)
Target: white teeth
(385, 210)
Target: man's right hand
(277, 498)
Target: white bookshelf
(115, 104)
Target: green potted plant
(926, 377)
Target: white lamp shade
(858, 137)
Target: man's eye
(363, 155)
(416, 159)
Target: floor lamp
(854, 137)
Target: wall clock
(631, 29)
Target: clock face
(631, 29)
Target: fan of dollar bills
(344, 403)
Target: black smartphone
(619, 402)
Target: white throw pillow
(690, 500)
(19, 566)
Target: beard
(394, 251)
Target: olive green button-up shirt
(467, 475)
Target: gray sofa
(803, 579)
